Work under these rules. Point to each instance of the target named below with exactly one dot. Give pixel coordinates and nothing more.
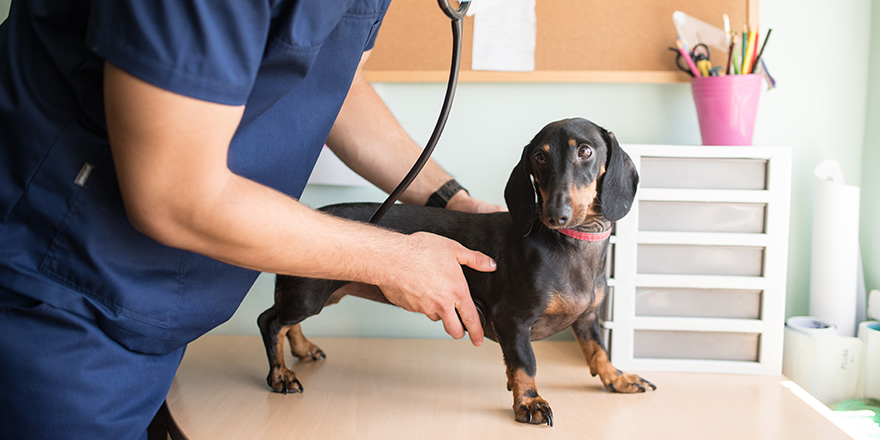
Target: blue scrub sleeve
(204, 49)
(371, 40)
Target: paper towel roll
(869, 375)
(810, 325)
(835, 254)
(820, 361)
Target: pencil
(687, 58)
(726, 20)
(761, 52)
(747, 61)
(730, 53)
(752, 65)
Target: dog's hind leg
(295, 300)
(305, 350)
(281, 379)
(301, 347)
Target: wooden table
(409, 388)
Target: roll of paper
(820, 361)
(811, 326)
(869, 376)
(835, 254)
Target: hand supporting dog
(572, 182)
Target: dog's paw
(284, 381)
(313, 354)
(305, 350)
(627, 383)
(534, 410)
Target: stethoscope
(456, 16)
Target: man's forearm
(371, 142)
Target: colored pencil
(761, 52)
(687, 58)
(753, 51)
(726, 20)
(747, 60)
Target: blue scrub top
(64, 234)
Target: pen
(687, 57)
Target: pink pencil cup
(726, 107)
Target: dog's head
(577, 170)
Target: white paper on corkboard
(505, 33)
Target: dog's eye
(584, 150)
(540, 158)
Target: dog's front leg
(589, 338)
(528, 406)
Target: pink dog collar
(586, 236)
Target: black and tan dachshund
(572, 182)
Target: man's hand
(462, 201)
(430, 281)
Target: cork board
(577, 41)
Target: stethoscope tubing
(456, 16)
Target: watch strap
(441, 197)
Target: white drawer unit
(699, 264)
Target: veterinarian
(151, 157)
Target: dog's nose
(560, 217)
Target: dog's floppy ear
(618, 186)
(520, 196)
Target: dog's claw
(536, 413)
(299, 388)
(283, 385)
(313, 355)
(629, 383)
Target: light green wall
(870, 233)
(820, 109)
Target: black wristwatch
(441, 197)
